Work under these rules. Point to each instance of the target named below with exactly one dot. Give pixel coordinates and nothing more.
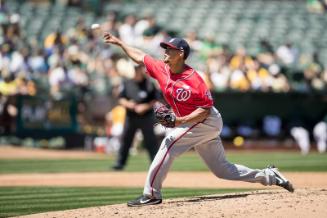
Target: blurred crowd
(77, 60)
(280, 70)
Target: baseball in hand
(95, 26)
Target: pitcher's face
(172, 56)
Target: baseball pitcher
(195, 121)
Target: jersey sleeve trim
(205, 106)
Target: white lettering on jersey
(182, 94)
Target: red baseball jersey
(184, 92)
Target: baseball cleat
(281, 180)
(117, 167)
(143, 200)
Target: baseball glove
(164, 115)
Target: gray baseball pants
(204, 138)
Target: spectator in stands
(79, 31)
(141, 25)
(148, 25)
(257, 75)
(219, 72)
(37, 61)
(313, 77)
(239, 81)
(239, 59)
(8, 86)
(287, 54)
(279, 82)
(110, 23)
(56, 39)
(57, 77)
(193, 40)
(266, 53)
(208, 47)
(127, 30)
(219, 75)
(314, 74)
(17, 62)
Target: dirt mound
(267, 203)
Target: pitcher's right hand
(111, 39)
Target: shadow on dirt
(213, 198)
(220, 197)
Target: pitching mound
(266, 203)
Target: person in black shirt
(137, 95)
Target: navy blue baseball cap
(177, 43)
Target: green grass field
(286, 161)
(16, 201)
(28, 200)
